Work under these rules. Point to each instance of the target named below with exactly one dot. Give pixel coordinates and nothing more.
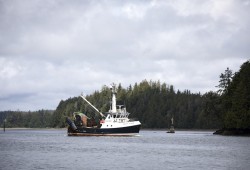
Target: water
(53, 149)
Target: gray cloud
(52, 50)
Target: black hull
(89, 131)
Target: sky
(51, 50)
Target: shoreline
(232, 132)
(16, 128)
(144, 129)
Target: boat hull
(91, 131)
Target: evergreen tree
(237, 100)
(225, 80)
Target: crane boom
(91, 105)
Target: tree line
(154, 103)
(30, 119)
(234, 101)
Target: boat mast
(91, 105)
(113, 90)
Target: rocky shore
(233, 132)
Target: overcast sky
(55, 49)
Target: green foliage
(38, 119)
(225, 81)
(236, 99)
(153, 103)
(211, 115)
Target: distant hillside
(152, 102)
(36, 119)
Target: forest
(154, 103)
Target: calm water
(53, 149)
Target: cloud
(52, 50)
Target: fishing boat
(115, 122)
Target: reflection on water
(53, 149)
